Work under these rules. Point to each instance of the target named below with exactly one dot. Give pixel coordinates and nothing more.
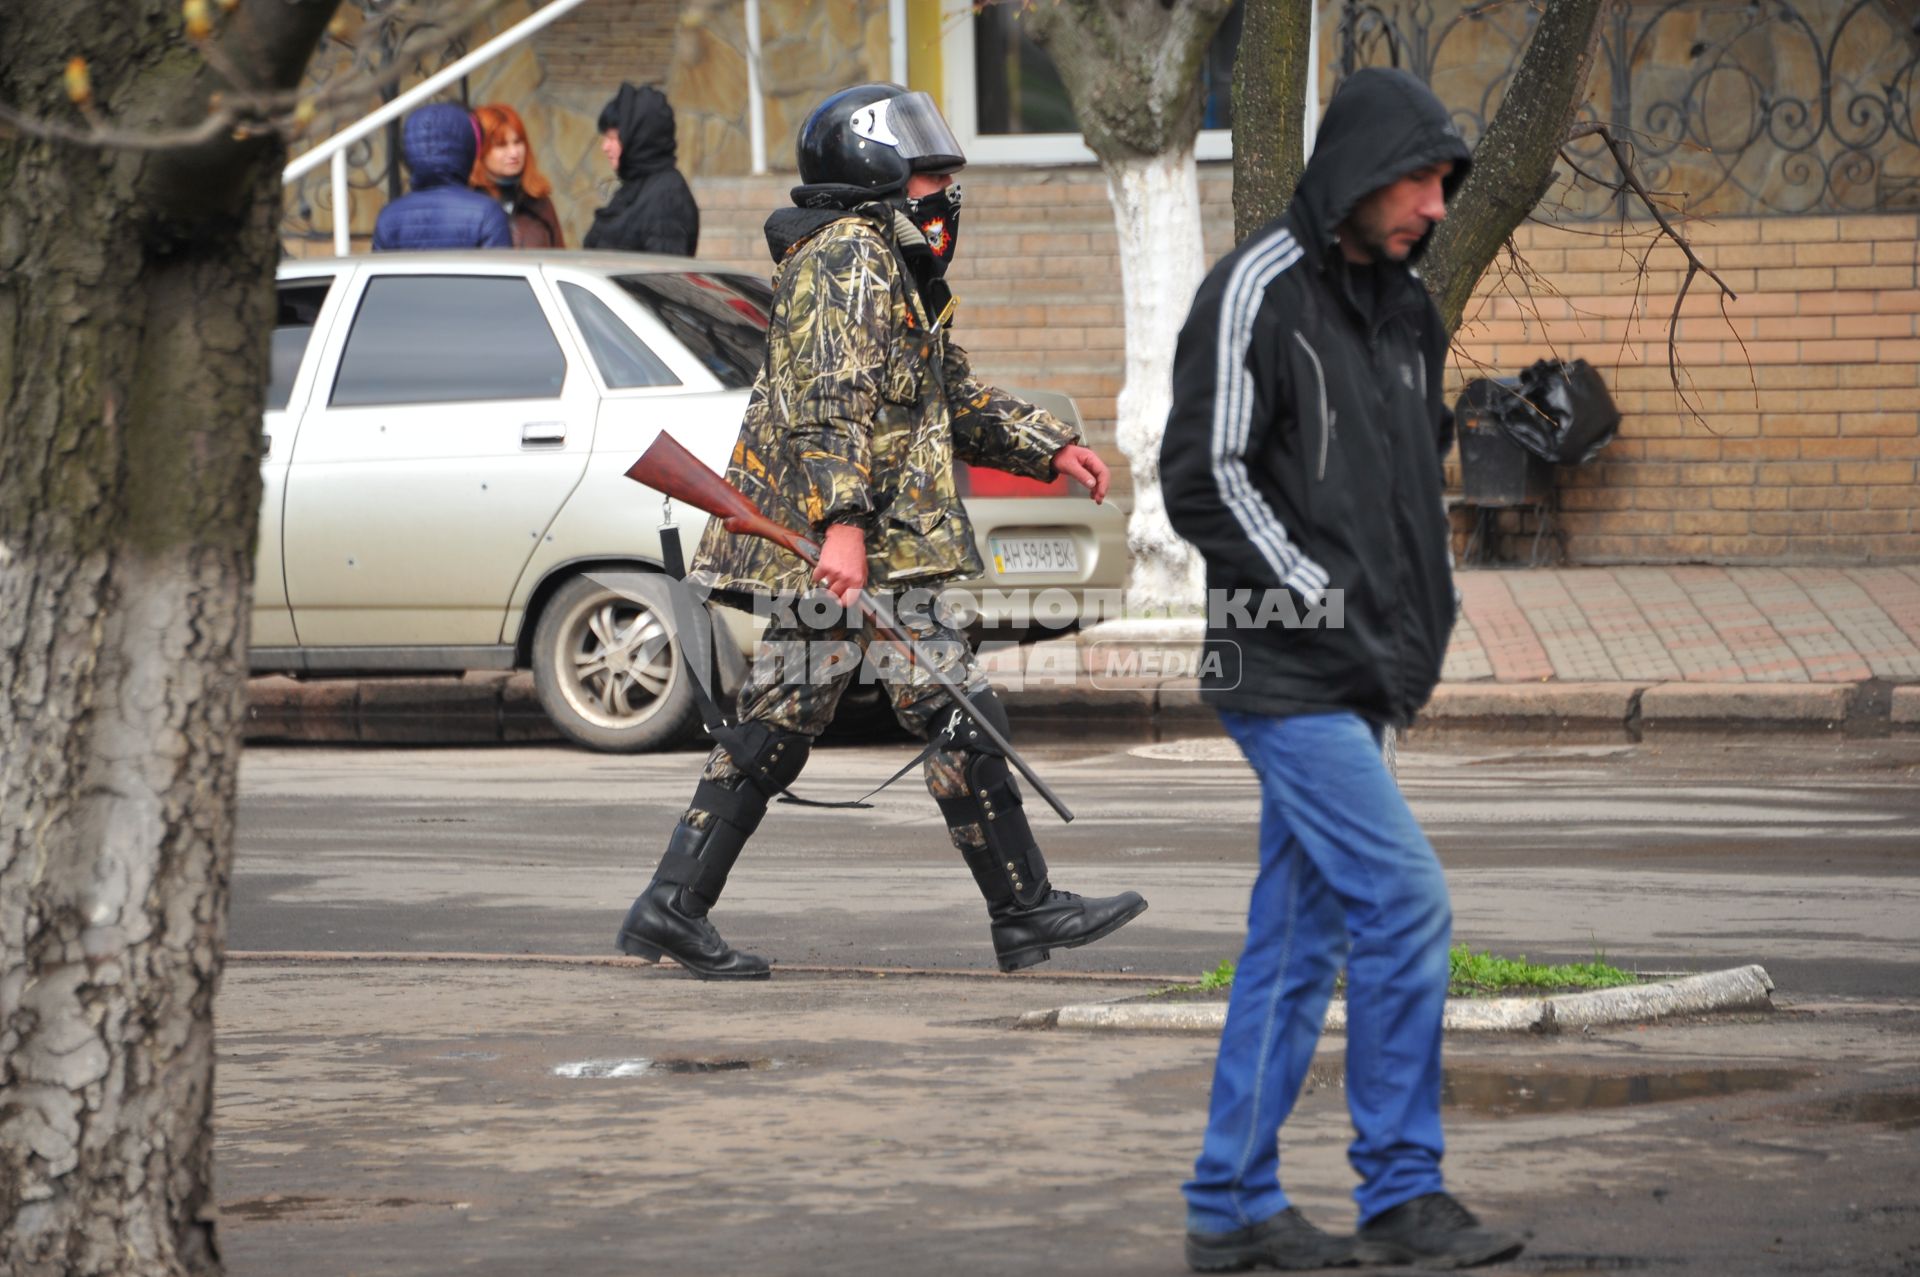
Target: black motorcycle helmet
(874, 136)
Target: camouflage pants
(799, 675)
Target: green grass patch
(1221, 977)
(1471, 975)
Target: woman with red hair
(504, 168)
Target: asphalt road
(1802, 856)
(521, 1114)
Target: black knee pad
(771, 758)
(957, 733)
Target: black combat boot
(1029, 919)
(670, 917)
(1029, 923)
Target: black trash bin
(1494, 470)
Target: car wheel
(607, 668)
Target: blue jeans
(1344, 873)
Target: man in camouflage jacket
(859, 413)
(851, 431)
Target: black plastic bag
(1568, 416)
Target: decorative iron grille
(1732, 106)
(392, 44)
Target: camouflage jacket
(857, 416)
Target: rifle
(670, 469)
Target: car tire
(607, 667)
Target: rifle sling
(730, 737)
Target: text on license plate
(1015, 555)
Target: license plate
(1015, 556)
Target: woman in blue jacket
(439, 142)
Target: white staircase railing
(334, 149)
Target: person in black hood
(653, 211)
(1302, 458)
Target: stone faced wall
(558, 81)
(808, 49)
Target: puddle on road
(644, 1067)
(278, 1206)
(1897, 1109)
(1526, 1094)
(1495, 1094)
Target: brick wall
(1037, 274)
(1799, 430)
(1807, 434)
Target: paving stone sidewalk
(1690, 624)
(1623, 650)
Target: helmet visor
(913, 125)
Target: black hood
(645, 121)
(1382, 124)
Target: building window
(1006, 101)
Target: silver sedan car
(447, 436)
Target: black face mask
(938, 217)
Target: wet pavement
(524, 1112)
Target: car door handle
(543, 432)
(266, 446)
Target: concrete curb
(1068, 701)
(1736, 989)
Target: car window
(718, 318)
(300, 303)
(623, 359)
(448, 338)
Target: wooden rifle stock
(670, 469)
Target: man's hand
(842, 570)
(1083, 466)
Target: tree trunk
(1132, 70)
(1156, 211)
(1270, 93)
(1513, 163)
(136, 304)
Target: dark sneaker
(1285, 1241)
(1435, 1232)
(658, 926)
(1024, 936)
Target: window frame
(580, 333)
(961, 107)
(349, 323)
(695, 377)
(303, 370)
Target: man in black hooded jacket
(653, 211)
(1302, 458)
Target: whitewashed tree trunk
(1132, 69)
(1156, 213)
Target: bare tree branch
(1695, 266)
(249, 106)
